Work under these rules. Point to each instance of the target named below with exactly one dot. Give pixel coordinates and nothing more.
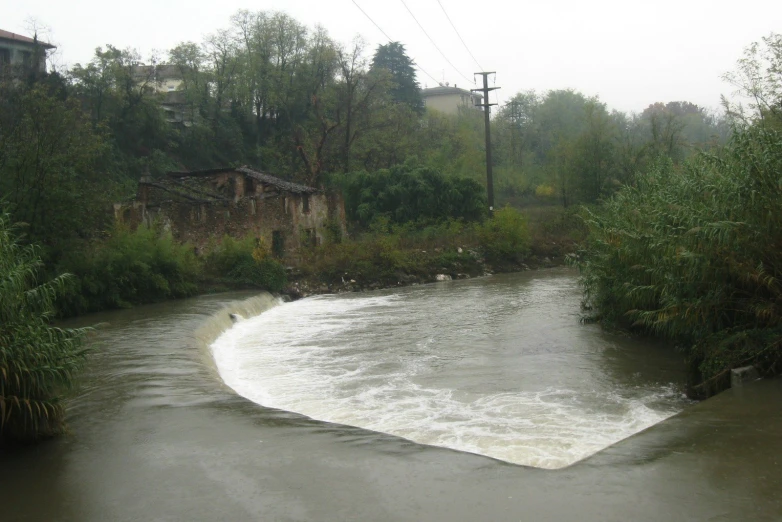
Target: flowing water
(489, 366)
(498, 366)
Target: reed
(37, 360)
(692, 254)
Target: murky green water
(157, 435)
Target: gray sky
(629, 53)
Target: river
(483, 399)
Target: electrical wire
(433, 42)
(496, 96)
(391, 40)
(460, 37)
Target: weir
(154, 434)
(418, 363)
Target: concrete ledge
(738, 376)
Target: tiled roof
(277, 182)
(436, 91)
(287, 186)
(8, 35)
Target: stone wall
(260, 215)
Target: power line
(460, 36)
(433, 43)
(391, 40)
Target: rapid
(497, 366)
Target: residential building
(159, 78)
(450, 100)
(18, 53)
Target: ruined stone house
(205, 205)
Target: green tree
(758, 77)
(37, 361)
(49, 166)
(393, 58)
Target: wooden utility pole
(486, 115)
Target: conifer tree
(393, 58)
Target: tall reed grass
(37, 360)
(694, 255)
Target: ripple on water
(465, 366)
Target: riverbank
(302, 283)
(531, 239)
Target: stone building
(201, 205)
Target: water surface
(155, 434)
(498, 366)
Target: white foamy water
(500, 368)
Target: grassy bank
(388, 255)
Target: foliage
(410, 192)
(129, 268)
(504, 237)
(37, 360)
(758, 77)
(393, 58)
(692, 254)
(388, 254)
(49, 158)
(245, 261)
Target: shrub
(130, 268)
(693, 255)
(37, 360)
(408, 193)
(245, 261)
(504, 237)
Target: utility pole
(486, 116)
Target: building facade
(450, 100)
(203, 206)
(19, 53)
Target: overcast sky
(629, 53)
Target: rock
(738, 376)
(235, 318)
(459, 250)
(352, 281)
(442, 277)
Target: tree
(759, 78)
(49, 166)
(393, 58)
(37, 360)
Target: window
(278, 243)
(171, 88)
(5, 56)
(27, 58)
(305, 203)
(249, 186)
(310, 238)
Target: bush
(130, 268)
(37, 360)
(389, 252)
(409, 193)
(504, 237)
(693, 255)
(245, 261)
